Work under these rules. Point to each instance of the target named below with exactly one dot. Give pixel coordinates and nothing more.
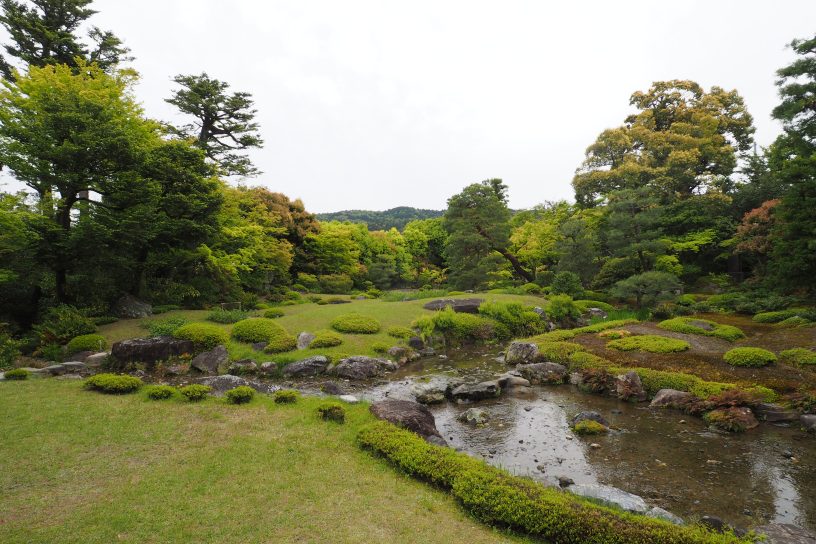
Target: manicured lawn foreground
(78, 466)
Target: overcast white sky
(371, 105)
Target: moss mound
(204, 336)
(649, 342)
(749, 357)
(113, 384)
(589, 427)
(704, 327)
(798, 357)
(355, 323)
(256, 329)
(326, 339)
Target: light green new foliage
(400, 332)
(204, 336)
(751, 357)
(326, 339)
(778, 316)
(355, 323)
(256, 329)
(87, 342)
(798, 357)
(686, 325)
(650, 343)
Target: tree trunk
(63, 218)
(514, 262)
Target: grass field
(312, 317)
(81, 467)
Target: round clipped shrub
(256, 329)
(356, 324)
(240, 395)
(750, 357)
(113, 384)
(589, 427)
(326, 339)
(798, 357)
(204, 336)
(400, 332)
(614, 334)
(219, 315)
(195, 392)
(280, 343)
(649, 342)
(332, 411)
(694, 325)
(286, 396)
(272, 313)
(160, 392)
(380, 347)
(17, 374)
(87, 342)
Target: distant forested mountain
(395, 217)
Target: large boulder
(808, 422)
(97, 359)
(409, 415)
(543, 373)
(311, 366)
(629, 387)
(591, 416)
(473, 416)
(596, 312)
(476, 392)
(511, 380)
(429, 393)
(785, 533)
(222, 384)
(459, 305)
(611, 495)
(361, 367)
(670, 398)
(130, 307)
(304, 339)
(521, 353)
(209, 361)
(150, 350)
(775, 413)
(416, 343)
(244, 366)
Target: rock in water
(474, 416)
(593, 416)
(311, 366)
(543, 373)
(209, 361)
(611, 495)
(784, 533)
(409, 415)
(429, 393)
(130, 307)
(304, 339)
(670, 398)
(149, 350)
(521, 353)
(774, 413)
(479, 391)
(808, 422)
(362, 368)
(629, 387)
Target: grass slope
(77, 466)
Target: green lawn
(312, 317)
(77, 466)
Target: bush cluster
(798, 357)
(585, 305)
(113, 384)
(380, 347)
(273, 313)
(219, 315)
(164, 308)
(9, 350)
(562, 309)
(778, 316)
(332, 411)
(402, 333)
(326, 339)
(649, 342)
(456, 328)
(165, 327)
(160, 392)
(355, 323)
(795, 321)
(61, 323)
(87, 342)
(280, 342)
(239, 395)
(17, 374)
(195, 392)
(498, 498)
(750, 357)
(204, 336)
(514, 318)
(104, 320)
(286, 396)
(686, 325)
(256, 329)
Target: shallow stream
(670, 459)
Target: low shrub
(355, 323)
(531, 288)
(17, 374)
(498, 498)
(585, 305)
(567, 283)
(164, 308)
(558, 352)
(400, 332)
(380, 347)
(195, 392)
(750, 357)
(693, 325)
(795, 321)
(280, 342)
(726, 419)
(219, 315)
(314, 298)
(239, 395)
(104, 320)
(649, 342)
(87, 342)
(335, 284)
(204, 336)
(9, 350)
(777, 316)
(562, 309)
(286, 396)
(614, 334)
(113, 384)
(160, 392)
(256, 329)
(52, 352)
(517, 319)
(456, 328)
(165, 327)
(61, 323)
(326, 339)
(332, 411)
(273, 313)
(798, 357)
(589, 427)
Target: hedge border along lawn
(498, 498)
(683, 325)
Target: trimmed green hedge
(113, 384)
(87, 342)
(798, 357)
(273, 313)
(750, 357)
(160, 392)
(240, 395)
(684, 325)
(498, 498)
(649, 342)
(195, 392)
(220, 315)
(326, 339)
(280, 342)
(204, 336)
(402, 333)
(256, 329)
(355, 323)
(17, 374)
